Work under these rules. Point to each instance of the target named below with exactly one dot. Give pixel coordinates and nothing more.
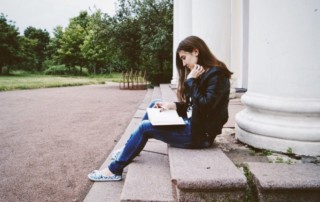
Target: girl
(203, 93)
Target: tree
(28, 59)
(9, 43)
(156, 18)
(69, 52)
(33, 52)
(40, 40)
(127, 35)
(95, 47)
(54, 45)
(143, 30)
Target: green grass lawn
(31, 81)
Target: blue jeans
(176, 136)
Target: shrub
(63, 70)
(48, 63)
(57, 70)
(78, 71)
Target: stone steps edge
(99, 191)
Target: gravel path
(50, 139)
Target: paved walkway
(51, 138)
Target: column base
(280, 124)
(276, 144)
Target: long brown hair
(205, 59)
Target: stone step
(147, 99)
(100, 192)
(205, 175)
(284, 182)
(148, 179)
(156, 93)
(145, 103)
(167, 93)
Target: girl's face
(189, 59)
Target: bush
(48, 63)
(157, 78)
(63, 70)
(57, 70)
(78, 71)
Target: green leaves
(138, 37)
(9, 42)
(144, 33)
(35, 43)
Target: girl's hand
(165, 106)
(196, 72)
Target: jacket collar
(208, 73)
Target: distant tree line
(138, 37)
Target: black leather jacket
(209, 100)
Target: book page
(166, 117)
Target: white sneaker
(97, 176)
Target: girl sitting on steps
(203, 93)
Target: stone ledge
(146, 100)
(148, 179)
(167, 93)
(283, 182)
(205, 174)
(156, 146)
(156, 93)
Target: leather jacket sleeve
(206, 92)
(182, 108)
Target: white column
(208, 19)
(182, 27)
(238, 63)
(283, 98)
(211, 21)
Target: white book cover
(163, 118)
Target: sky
(48, 14)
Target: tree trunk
(95, 69)
(8, 70)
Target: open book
(166, 117)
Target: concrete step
(148, 176)
(156, 93)
(100, 192)
(167, 93)
(148, 179)
(145, 103)
(284, 182)
(147, 99)
(205, 175)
